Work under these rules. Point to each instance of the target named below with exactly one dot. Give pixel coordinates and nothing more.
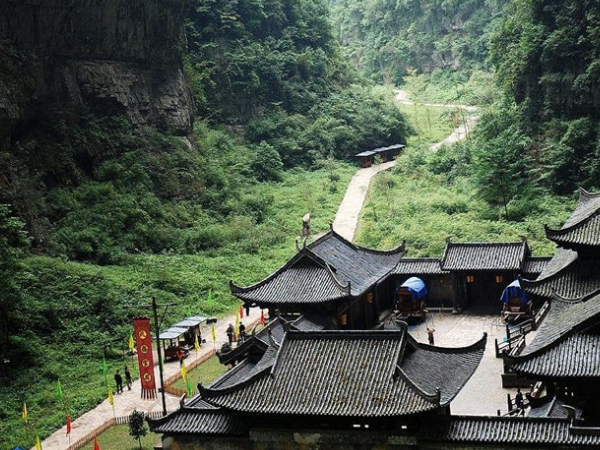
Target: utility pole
(160, 363)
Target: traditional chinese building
(325, 388)
(481, 271)
(565, 355)
(574, 271)
(331, 277)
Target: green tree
(137, 426)
(267, 163)
(13, 242)
(503, 170)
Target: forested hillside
(385, 39)
(547, 56)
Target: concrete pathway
(346, 218)
(126, 402)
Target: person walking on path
(128, 377)
(430, 332)
(119, 382)
(230, 331)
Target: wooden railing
(515, 335)
(512, 346)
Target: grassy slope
(414, 204)
(127, 288)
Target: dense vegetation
(547, 59)
(387, 38)
(102, 216)
(431, 195)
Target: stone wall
(109, 56)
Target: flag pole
(160, 364)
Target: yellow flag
(131, 343)
(38, 444)
(212, 332)
(111, 399)
(197, 345)
(183, 371)
(237, 325)
(24, 413)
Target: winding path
(346, 218)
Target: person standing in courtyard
(119, 382)
(430, 332)
(128, 380)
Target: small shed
(386, 154)
(365, 158)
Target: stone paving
(483, 395)
(126, 402)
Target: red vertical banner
(143, 340)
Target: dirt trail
(459, 133)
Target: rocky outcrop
(107, 56)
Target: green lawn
(118, 438)
(205, 373)
(431, 124)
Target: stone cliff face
(108, 56)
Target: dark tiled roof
(329, 269)
(561, 259)
(504, 431)
(418, 266)
(304, 279)
(446, 369)
(240, 372)
(575, 280)
(575, 356)
(275, 329)
(312, 322)
(360, 266)
(484, 256)
(553, 408)
(580, 225)
(197, 421)
(341, 373)
(586, 232)
(558, 349)
(535, 266)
